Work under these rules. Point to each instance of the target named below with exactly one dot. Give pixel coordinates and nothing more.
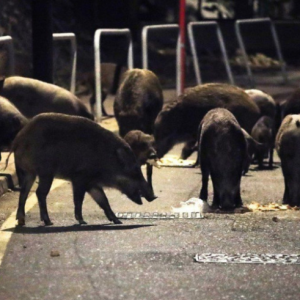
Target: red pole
(182, 42)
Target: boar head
(131, 181)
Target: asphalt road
(149, 258)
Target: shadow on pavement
(74, 228)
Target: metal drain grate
(156, 215)
(247, 258)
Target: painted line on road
(11, 220)
(248, 258)
(157, 215)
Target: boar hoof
(21, 221)
(117, 221)
(48, 223)
(82, 222)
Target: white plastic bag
(192, 205)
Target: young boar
(178, 121)
(222, 153)
(138, 101)
(264, 101)
(142, 146)
(33, 97)
(79, 150)
(287, 147)
(263, 132)
(11, 122)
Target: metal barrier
(145, 31)
(11, 59)
(238, 24)
(72, 38)
(191, 27)
(97, 52)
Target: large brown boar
(79, 150)
(138, 101)
(222, 153)
(11, 122)
(33, 97)
(287, 147)
(179, 120)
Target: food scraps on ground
(270, 207)
(174, 161)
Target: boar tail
(197, 162)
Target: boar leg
(78, 195)
(28, 181)
(271, 157)
(188, 149)
(149, 175)
(205, 177)
(42, 191)
(99, 196)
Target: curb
(8, 177)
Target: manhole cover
(156, 215)
(247, 258)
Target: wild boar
(33, 97)
(138, 101)
(287, 147)
(178, 121)
(11, 122)
(142, 146)
(264, 101)
(252, 147)
(79, 150)
(263, 132)
(111, 75)
(222, 152)
(291, 105)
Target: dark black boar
(142, 146)
(222, 153)
(264, 101)
(11, 122)
(79, 150)
(33, 97)
(263, 132)
(287, 147)
(179, 120)
(138, 101)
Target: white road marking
(11, 220)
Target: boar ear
(126, 158)
(2, 78)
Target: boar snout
(227, 206)
(152, 155)
(147, 192)
(135, 198)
